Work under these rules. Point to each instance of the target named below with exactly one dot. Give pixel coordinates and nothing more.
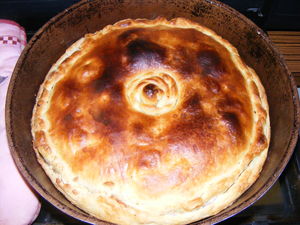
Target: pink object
(18, 204)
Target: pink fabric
(18, 204)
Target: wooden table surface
(288, 43)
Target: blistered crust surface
(151, 122)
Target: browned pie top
(151, 122)
(160, 108)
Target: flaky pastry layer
(151, 122)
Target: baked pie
(151, 122)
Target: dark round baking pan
(50, 42)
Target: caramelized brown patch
(232, 122)
(262, 140)
(116, 92)
(197, 133)
(143, 54)
(184, 60)
(230, 104)
(211, 63)
(66, 95)
(107, 80)
(142, 126)
(192, 104)
(212, 85)
(68, 118)
(111, 63)
(138, 128)
(109, 117)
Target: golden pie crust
(151, 122)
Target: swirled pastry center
(152, 93)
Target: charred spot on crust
(262, 140)
(192, 103)
(145, 53)
(211, 63)
(69, 89)
(111, 61)
(68, 118)
(102, 117)
(230, 103)
(184, 60)
(232, 122)
(109, 117)
(212, 85)
(106, 80)
(112, 71)
(138, 128)
(116, 92)
(143, 124)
